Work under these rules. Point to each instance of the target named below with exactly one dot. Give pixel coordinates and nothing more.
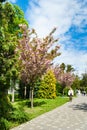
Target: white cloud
(75, 58)
(43, 15)
(55, 13)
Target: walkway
(70, 116)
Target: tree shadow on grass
(28, 103)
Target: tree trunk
(30, 93)
(13, 90)
(13, 94)
(31, 96)
(25, 92)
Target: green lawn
(40, 106)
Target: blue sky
(70, 18)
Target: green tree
(59, 89)
(83, 82)
(47, 88)
(62, 67)
(76, 83)
(69, 68)
(10, 18)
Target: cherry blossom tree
(65, 78)
(36, 55)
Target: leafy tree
(63, 66)
(9, 30)
(36, 56)
(69, 68)
(83, 82)
(67, 79)
(59, 89)
(47, 88)
(76, 83)
(63, 77)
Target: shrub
(4, 124)
(47, 88)
(5, 107)
(18, 116)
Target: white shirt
(70, 92)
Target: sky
(70, 19)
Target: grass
(40, 106)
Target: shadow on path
(82, 106)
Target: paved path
(70, 116)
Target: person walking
(70, 94)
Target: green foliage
(36, 87)
(63, 66)
(59, 89)
(10, 18)
(47, 88)
(76, 83)
(19, 16)
(5, 109)
(69, 68)
(65, 91)
(4, 124)
(41, 106)
(5, 106)
(84, 80)
(16, 96)
(18, 115)
(86, 89)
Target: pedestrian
(78, 92)
(84, 92)
(70, 94)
